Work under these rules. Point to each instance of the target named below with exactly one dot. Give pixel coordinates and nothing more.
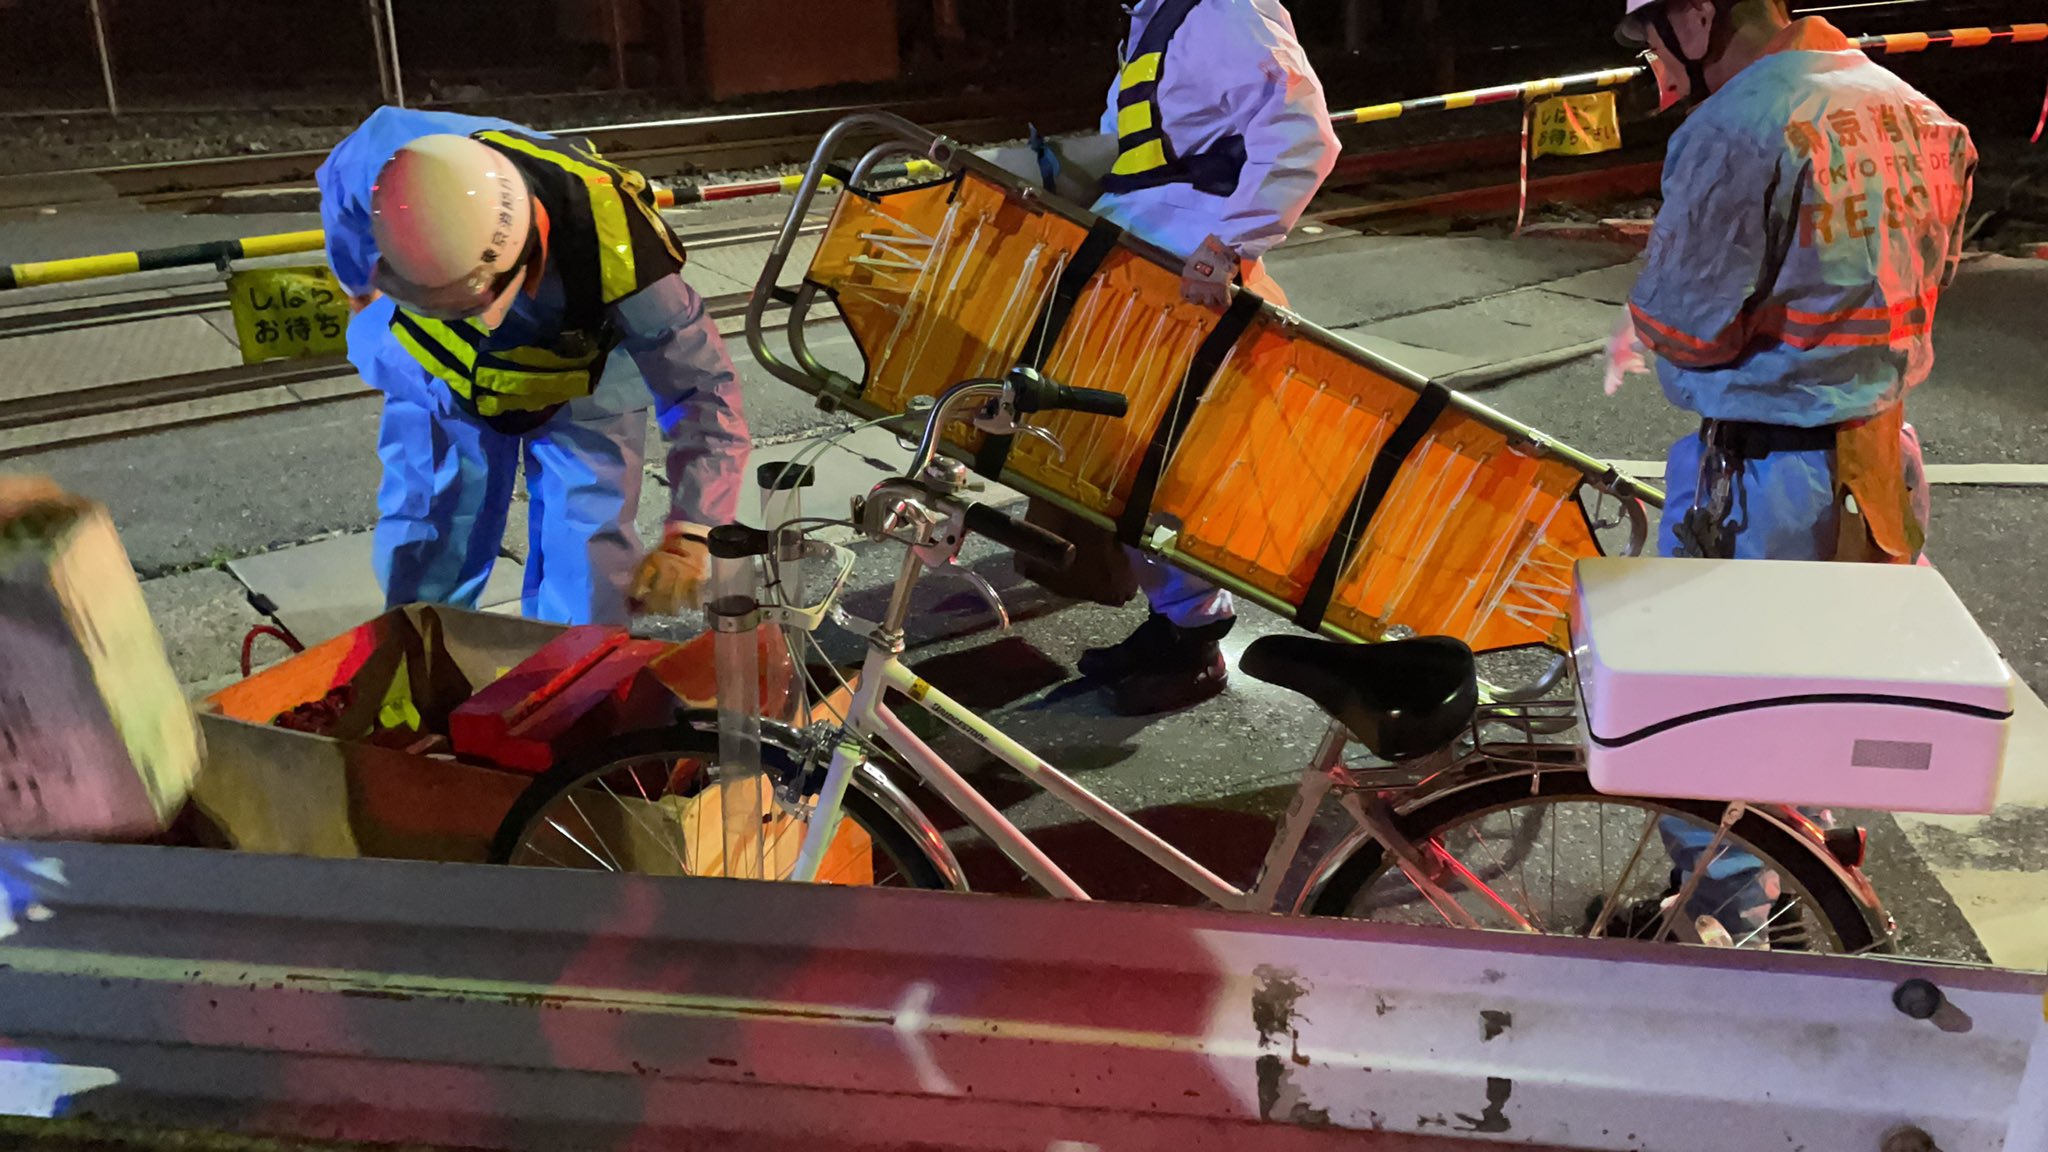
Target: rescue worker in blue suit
(1223, 137)
(1813, 212)
(518, 301)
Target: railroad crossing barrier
(1897, 43)
(472, 1006)
(223, 251)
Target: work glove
(672, 577)
(1625, 352)
(1207, 275)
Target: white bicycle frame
(868, 715)
(936, 519)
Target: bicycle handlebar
(1021, 536)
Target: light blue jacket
(1813, 211)
(1235, 67)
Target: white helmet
(1635, 25)
(453, 220)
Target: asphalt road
(1212, 778)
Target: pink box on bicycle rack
(1852, 685)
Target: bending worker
(519, 301)
(1813, 212)
(1222, 139)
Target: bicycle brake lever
(1000, 419)
(988, 591)
(1059, 449)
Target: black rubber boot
(1635, 920)
(1189, 671)
(1154, 640)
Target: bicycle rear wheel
(1541, 850)
(643, 803)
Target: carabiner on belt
(1706, 531)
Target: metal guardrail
(543, 1009)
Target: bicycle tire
(1796, 857)
(895, 841)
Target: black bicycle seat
(1400, 699)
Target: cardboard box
(96, 738)
(365, 785)
(335, 792)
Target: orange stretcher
(1261, 451)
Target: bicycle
(1437, 822)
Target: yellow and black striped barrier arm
(1500, 94)
(218, 252)
(1897, 43)
(1902, 42)
(221, 252)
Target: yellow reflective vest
(606, 240)
(1145, 156)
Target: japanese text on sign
(1577, 125)
(289, 313)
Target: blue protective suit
(1813, 211)
(448, 476)
(1235, 67)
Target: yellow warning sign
(1576, 125)
(289, 313)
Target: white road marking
(1961, 475)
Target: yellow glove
(672, 577)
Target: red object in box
(581, 686)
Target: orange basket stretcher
(1261, 451)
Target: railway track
(63, 419)
(663, 149)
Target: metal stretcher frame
(1166, 421)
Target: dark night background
(281, 52)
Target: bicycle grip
(1094, 401)
(1021, 536)
(1036, 393)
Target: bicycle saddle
(1400, 699)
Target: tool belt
(1874, 506)
(1747, 440)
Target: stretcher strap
(1379, 479)
(1174, 421)
(1087, 261)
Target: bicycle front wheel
(1543, 851)
(644, 803)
